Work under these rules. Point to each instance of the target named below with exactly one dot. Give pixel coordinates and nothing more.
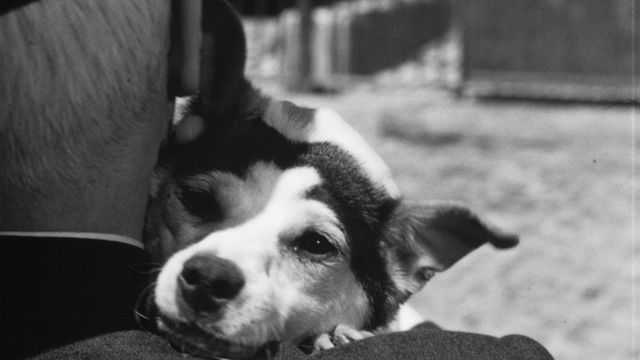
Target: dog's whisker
(145, 268)
(144, 306)
(151, 269)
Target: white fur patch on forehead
(264, 185)
(325, 125)
(289, 211)
(294, 183)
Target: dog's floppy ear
(222, 56)
(423, 239)
(209, 54)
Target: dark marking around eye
(363, 209)
(201, 204)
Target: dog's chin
(190, 338)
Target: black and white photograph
(319, 179)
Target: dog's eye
(314, 244)
(200, 204)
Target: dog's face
(278, 223)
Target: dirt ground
(561, 176)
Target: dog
(278, 223)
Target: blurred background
(526, 110)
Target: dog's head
(279, 222)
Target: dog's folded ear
(208, 53)
(208, 56)
(423, 239)
(222, 56)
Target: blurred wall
(585, 45)
(585, 36)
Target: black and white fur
(279, 223)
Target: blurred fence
(264, 8)
(351, 37)
(558, 49)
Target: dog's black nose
(208, 281)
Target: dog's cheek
(324, 298)
(161, 225)
(160, 244)
(168, 244)
(177, 228)
(155, 230)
